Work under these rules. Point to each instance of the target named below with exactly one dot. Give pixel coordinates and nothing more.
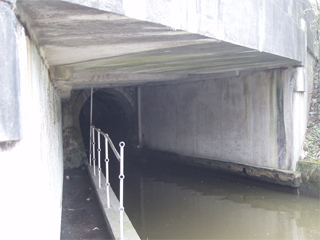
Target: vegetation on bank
(312, 140)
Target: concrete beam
(62, 78)
(272, 26)
(105, 79)
(104, 48)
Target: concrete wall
(31, 168)
(74, 154)
(272, 26)
(247, 118)
(9, 103)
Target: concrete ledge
(111, 214)
(270, 175)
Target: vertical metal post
(99, 157)
(121, 177)
(139, 116)
(107, 170)
(93, 151)
(90, 142)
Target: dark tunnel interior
(110, 114)
(114, 115)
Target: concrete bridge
(215, 82)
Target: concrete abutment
(244, 119)
(31, 155)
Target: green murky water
(177, 202)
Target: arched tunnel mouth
(112, 113)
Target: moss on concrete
(310, 175)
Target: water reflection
(178, 202)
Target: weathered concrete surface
(247, 118)
(32, 167)
(86, 47)
(10, 129)
(270, 175)
(74, 154)
(310, 175)
(272, 26)
(83, 46)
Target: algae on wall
(310, 175)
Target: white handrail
(113, 147)
(93, 152)
(121, 177)
(90, 140)
(107, 170)
(120, 157)
(99, 157)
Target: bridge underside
(187, 93)
(197, 98)
(85, 47)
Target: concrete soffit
(85, 47)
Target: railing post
(93, 152)
(120, 157)
(107, 169)
(90, 142)
(99, 157)
(121, 177)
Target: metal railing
(92, 162)
(119, 156)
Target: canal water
(173, 201)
